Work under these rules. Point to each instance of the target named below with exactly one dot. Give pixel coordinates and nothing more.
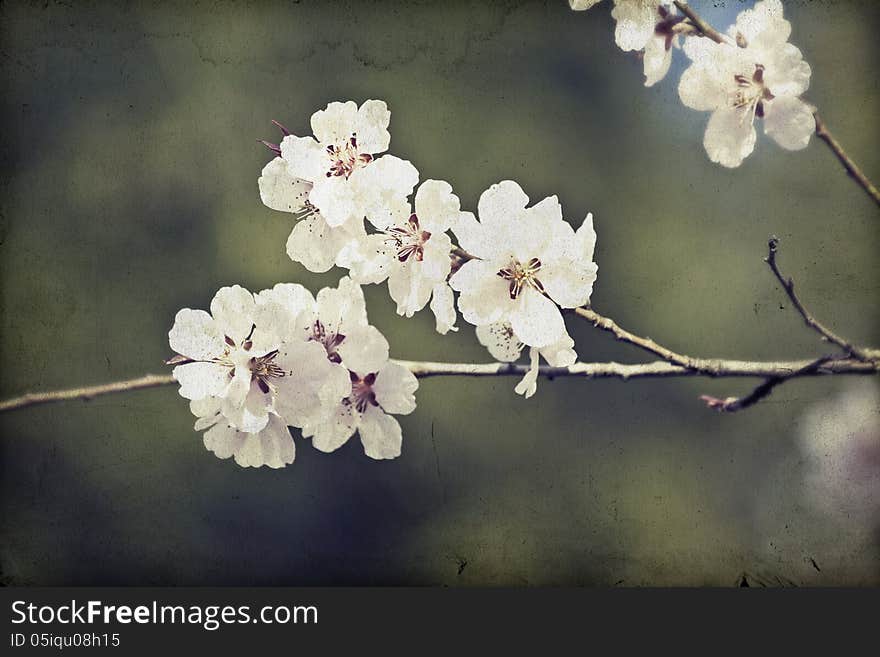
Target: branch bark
(424, 369)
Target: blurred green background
(129, 191)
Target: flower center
(362, 394)
(345, 158)
(521, 276)
(329, 339)
(750, 94)
(409, 239)
(264, 368)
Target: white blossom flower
(377, 387)
(646, 25)
(763, 76)
(412, 251)
(342, 164)
(313, 243)
(272, 446)
(248, 354)
(501, 341)
(525, 259)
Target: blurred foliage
(129, 191)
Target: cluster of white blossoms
(258, 363)
(515, 268)
(754, 73)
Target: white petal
(656, 60)
(436, 206)
(472, 236)
(380, 434)
(789, 121)
(207, 410)
(409, 288)
(502, 203)
(501, 341)
(529, 383)
(536, 320)
(701, 88)
(373, 118)
(311, 387)
(730, 137)
(233, 310)
(273, 446)
(306, 158)
(763, 25)
(443, 307)
(343, 308)
(316, 245)
(385, 183)
(223, 440)
(246, 407)
(196, 335)
(364, 350)
(569, 282)
(394, 389)
(338, 199)
(635, 23)
(584, 244)
(280, 190)
(560, 353)
(333, 432)
(200, 380)
(336, 123)
(786, 73)
(581, 5)
(485, 296)
(371, 258)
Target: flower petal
(305, 158)
(335, 124)
(657, 60)
(501, 341)
(196, 335)
(409, 288)
(200, 380)
(233, 311)
(316, 245)
(280, 190)
(373, 118)
(394, 389)
(529, 383)
(333, 432)
(443, 307)
(536, 320)
(730, 137)
(789, 121)
(485, 296)
(364, 350)
(500, 204)
(569, 282)
(311, 387)
(381, 435)
(635, 23)
(472, 236)
(436, 205)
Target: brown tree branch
(702, 26)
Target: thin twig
(36, 398)
(733, 404)
(852, 169)
(425, 369)
(704, 28)
(788, 285)
(647, 344)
